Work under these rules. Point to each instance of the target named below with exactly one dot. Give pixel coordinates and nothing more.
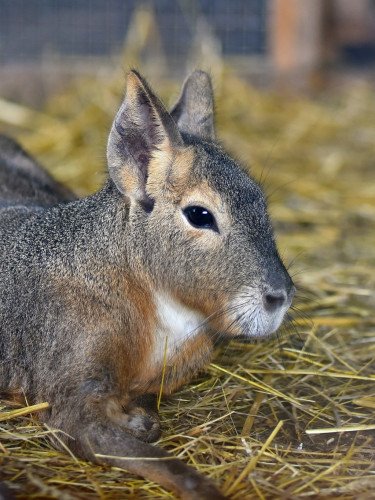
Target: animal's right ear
(194, 111)
(141, 127)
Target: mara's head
(199, 224)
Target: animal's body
(96, 294)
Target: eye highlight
(200, 217)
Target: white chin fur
(252, 317)
(177, 324)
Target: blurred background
(296, 43)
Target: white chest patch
(176, 325)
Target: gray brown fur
(79, 322)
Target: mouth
(251, 335)
(245, 339)
(262, 325)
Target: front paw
(143, 425)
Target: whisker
(294, 259)
(289, 325)
(302, 315)
(309, 294)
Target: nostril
(274, 300)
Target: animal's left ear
(194, 111)
(141, 129)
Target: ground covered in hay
(291, 418)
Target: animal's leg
(108, 443)
(143, 418)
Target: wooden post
(295, 38)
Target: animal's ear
(194, 111)
(141, 127)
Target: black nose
(274, 299)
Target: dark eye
(200, 217)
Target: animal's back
(26, 191)
(23, 183)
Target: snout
(260, 310)
(274, 300)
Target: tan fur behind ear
(170, 170)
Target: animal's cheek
(200, 239)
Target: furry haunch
(97, 294)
